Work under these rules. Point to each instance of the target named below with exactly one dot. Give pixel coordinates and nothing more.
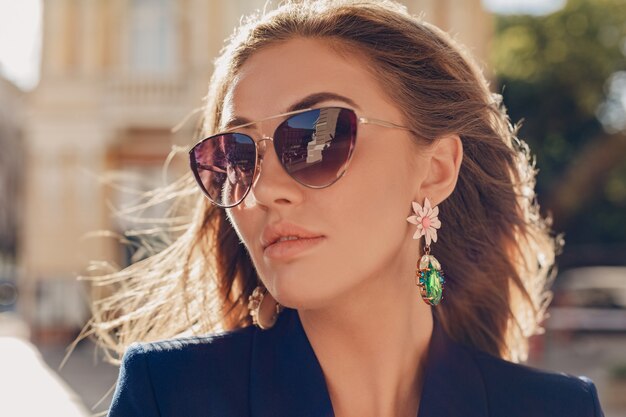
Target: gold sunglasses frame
(360, 120)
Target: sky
(20, 41)
(20, 33)
(536, 7)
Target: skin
(355, 292)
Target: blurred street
(73, 391)
(591, 355)
(24, 372)
(85, 373)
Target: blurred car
(8, 295)
(589, 299)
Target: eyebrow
(306, 102)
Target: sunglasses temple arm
(366, 120)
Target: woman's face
(362, 216)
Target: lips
(272, 233)
(288, 250)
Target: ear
(443, 169)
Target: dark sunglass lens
(316, 145)
(224, 167)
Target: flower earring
(429, 273)
(264, 314)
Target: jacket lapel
(453, 383)
(286, 378)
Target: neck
(372, 344)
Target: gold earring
(263, 315)
(429, 275)
(430, 278)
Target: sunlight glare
(20, 41)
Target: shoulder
(515, 389)
(201, 368)
(220, 342)
(185, 357)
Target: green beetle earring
(429, 275)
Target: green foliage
(553, 72)
(618, 371)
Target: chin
(305, 304)
(298, 295)
(301, 300)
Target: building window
(153, 37)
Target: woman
(336, 135)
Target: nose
(273, 185)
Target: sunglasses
(314, 146)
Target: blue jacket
(275, 373)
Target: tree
(563, 75)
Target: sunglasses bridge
(260, 156)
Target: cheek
(247, 225)
(372, 201)
(378, 176)
(364, 216)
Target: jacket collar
(286, 378)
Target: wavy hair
(498, 250)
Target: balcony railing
(141, 90)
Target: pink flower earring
(429, 273)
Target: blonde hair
(497, 250)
